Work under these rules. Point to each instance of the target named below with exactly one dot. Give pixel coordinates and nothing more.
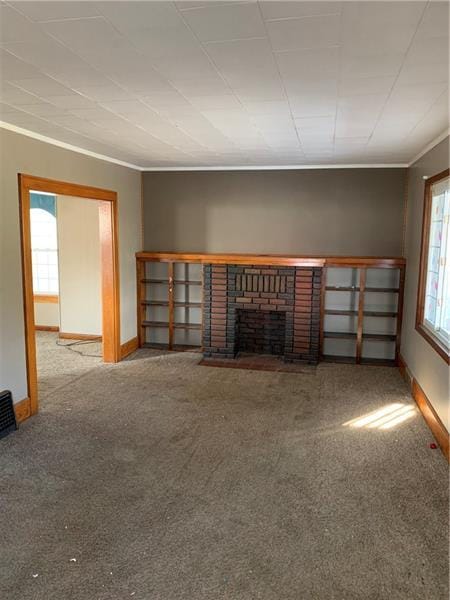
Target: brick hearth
(263, 292)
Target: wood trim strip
(46, 328)
(420, 308)
(359, 333)
(22, 410)
(64, 335)
(431, 417)
(46, 298)
(322, 310)
(129, 347)
(400, 301)
(110, 268)
(63, 188)
(171, 305)
(271, 259)
(141, 296)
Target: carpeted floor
(159, 479)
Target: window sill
(46, 298)
(434, 342)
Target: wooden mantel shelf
(272, 259)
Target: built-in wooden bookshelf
(169, 304)
(361, 302)
(362, 312)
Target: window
(44, 245)
(433, 306)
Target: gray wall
(425, 364)
(21, 154)
(333, 211)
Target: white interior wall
(46, 314)
(79, 265)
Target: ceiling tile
(131, 16)
(15, 27)
(315, 125)
(365, 85)
(42, 86)
(435, 21)
(283, 10)
(46, 54)
(225, 22)
(54, 11)
(12, 67)
(381, 65)
(103, 92)
(11, 94)
(313, 105)
(307, 32)
(315, 63)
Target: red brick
(268, 295)
(251, 294)
(277, 301)
(243, 300)
(300, 349)
(252, 271)
(303, 309)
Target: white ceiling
(186, 84)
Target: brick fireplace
(261, 309)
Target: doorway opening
(45, 287)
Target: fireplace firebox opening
(260, 332)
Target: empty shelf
(176, 281)
(384, 362)
(382, 337)
(338, 358)
(340, 335)
(342, 288)
(366, 313)
(154, 281)
(383, 290)
(187, 325)
(176, 304)
(155, 324)
(175, 325)
(175, 348)
(154, 303)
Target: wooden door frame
(109, 252)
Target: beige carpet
(159, 479)
(60, 362)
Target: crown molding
(116, 161)
(440, 138)
(277, 167)
(53, 142)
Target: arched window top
(43, 230)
